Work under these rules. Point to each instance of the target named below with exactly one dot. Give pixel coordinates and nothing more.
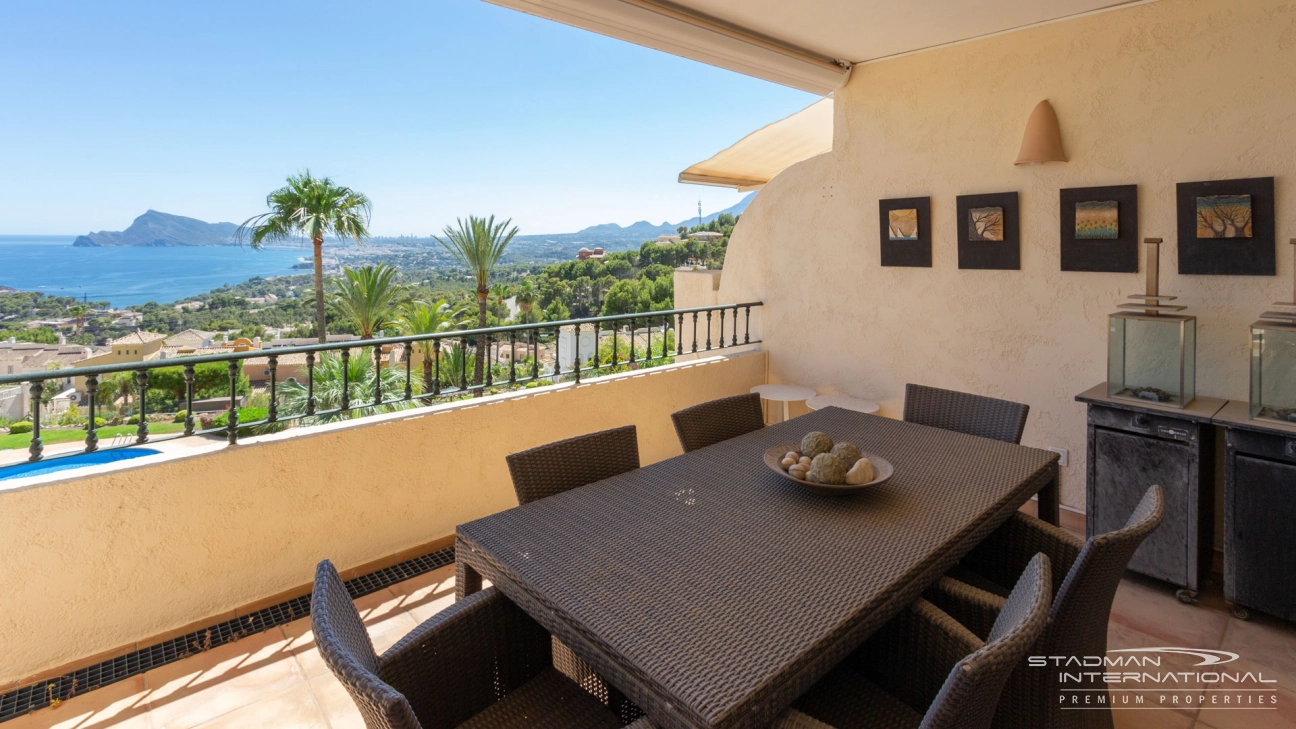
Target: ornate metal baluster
(747, 333)
(273, 414)
(512, 357)
(616, 338)
(735, 327)
(310, 383)
(490, 374)
(346, 379)
(648, 357)
(92, 433)
(35, 448)
(679, 341)
(189, 398)
(377, 350)
(576, 349)
(463, 365)
(695, 319)
(722, 318)
(141, 384)
(409, 359)
(534, 334)
(231, 432)
(436, 358)
(708, 347)
(632, 340)
(557, 370)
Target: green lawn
(50, 437)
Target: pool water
(70, 462)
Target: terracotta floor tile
(122, 705)
(1150, 719)
(1153, 610)
(429, 594)
(294, 708)
(335, 703)
(1282, 716)
(216, 682)
(1264, 644)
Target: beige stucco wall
(92, 563)
(1173, 91)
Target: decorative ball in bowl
(828, 468)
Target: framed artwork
(1100, 228)
(905, 225)
(1226, 227)
(988, 235)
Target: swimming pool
(70, 462)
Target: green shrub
(180, 416)
(132, 420)
(538, 383)
(22, 426)
(249, 415)
(99, 423)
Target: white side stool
(784, 394)
(845, 402)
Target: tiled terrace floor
(277, 679)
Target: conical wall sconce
(1043, 139)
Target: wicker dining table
(713, 592)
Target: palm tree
(314, 208)
(328, 389)
(526, 297)
(478, 244)
(420, 317)
(368, 297)
(79, 311)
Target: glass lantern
(1152, 358)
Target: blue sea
(130, 275)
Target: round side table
(845, 402)
(784, 394)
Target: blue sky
(435, 109)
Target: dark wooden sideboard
(1133, 445)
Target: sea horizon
(132, 275)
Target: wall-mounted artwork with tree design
(1224, 216)
(986, 224)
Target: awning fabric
(757, 157)
(651, 24)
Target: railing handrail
(96, 370)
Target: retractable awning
(757, 157)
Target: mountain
(645, 230)
(163, 229)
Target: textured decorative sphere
(815, 443)
(847, 452)
(861, 473)
(827, 468)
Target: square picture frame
(1000, 255)
(914, 253)
(1256, 255)
(1106, 255)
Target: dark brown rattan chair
(924, 669)
(567, 464)
(479, 663)
(965, 413)
(1086, 575)
(717, 420)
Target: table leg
(1049, 503)
(785, 411)
(467, 580)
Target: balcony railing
(678, 332)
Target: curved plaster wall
(1174, 91)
